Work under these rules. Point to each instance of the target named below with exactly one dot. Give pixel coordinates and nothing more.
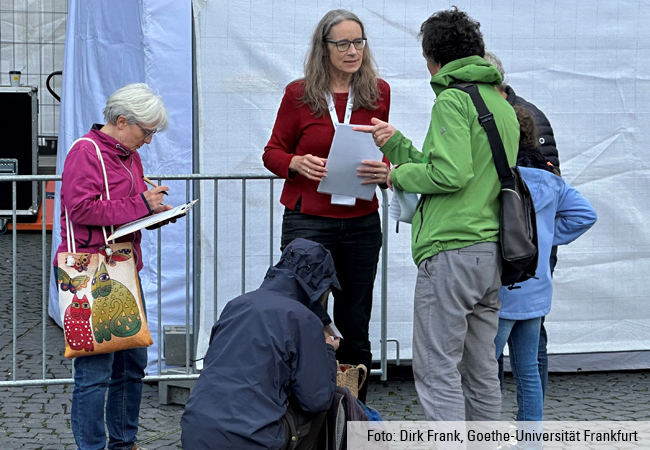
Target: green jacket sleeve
(447, 166)
(400, 150)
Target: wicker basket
(347, 376)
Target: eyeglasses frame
(337, 43)
(146, 132)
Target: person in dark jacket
(545, 134)
(269, 374)
(547, 148)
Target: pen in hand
(148, 181)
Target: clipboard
(147, 221)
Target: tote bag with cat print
(99, 296)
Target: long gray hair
(317, 68)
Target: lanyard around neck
(341, 199)
(348, 109)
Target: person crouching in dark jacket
(269, 373)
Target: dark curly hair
(527, 127)
(450, 35)
(529, 154)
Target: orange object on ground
(49, 212)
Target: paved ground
(38, 417)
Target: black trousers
(354, 244)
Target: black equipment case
(19, 140)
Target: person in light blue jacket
(563, 215)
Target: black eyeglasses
(343, 45)
(146, 132)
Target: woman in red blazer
(340, 85)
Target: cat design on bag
(115, 310)
(77, 325)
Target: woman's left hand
(388, 182)
(155, 226)
(375, 172)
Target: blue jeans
(542, 355)
(523, 341)
(120, 374)
(542, 358)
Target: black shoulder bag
(518, 226)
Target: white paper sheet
(348, 149)
(148, 221)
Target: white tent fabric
(584, 63)
(110, 44)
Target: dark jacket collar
(511, 96)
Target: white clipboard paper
(348, 149)
(151, 220)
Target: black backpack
(517, 223)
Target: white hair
(138, 104)
(496, 62)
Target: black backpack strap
(486, 119)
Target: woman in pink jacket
(133, 115)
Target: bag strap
(486, 119)
(69, 231)
(68, 224)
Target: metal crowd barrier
(189, 372)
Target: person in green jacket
(456, 224)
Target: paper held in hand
(348, 149)
(151, 220)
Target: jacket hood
(310, 266)
(473, 69)
(543, 185)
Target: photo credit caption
(502, 435)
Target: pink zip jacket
(83, 184)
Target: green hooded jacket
(454, 172)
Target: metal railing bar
(215, 250)
(243, 236)
(187, 280)
(384, 286)
(14, 272)
(30, 178)
(43, 272)
(397, 360)
(25, 383)
(56, 381)
(182, 177)
(271, 202)
(159, 289)
(202, 176)
(190, 239)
